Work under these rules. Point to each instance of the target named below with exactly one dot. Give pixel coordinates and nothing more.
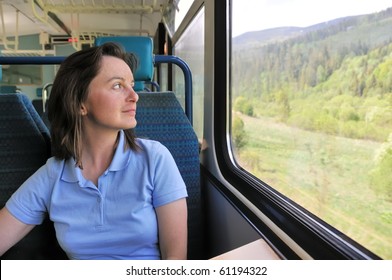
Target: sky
(254, 15)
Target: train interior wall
(226, 229)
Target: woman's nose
(132, 95)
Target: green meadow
(326, 174)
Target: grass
(328, 175)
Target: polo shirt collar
(121, 158)
(122, 155)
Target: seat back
(160, 117)
(24, 147)
(142, 47)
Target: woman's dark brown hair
(70, 89)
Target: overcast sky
(253, 15)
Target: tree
(381, 175)
(243, 105)
(238, 133)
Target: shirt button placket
(101, 199)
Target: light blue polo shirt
(117, 220)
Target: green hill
(333, 77)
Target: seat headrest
(142, 47)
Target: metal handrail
(45, 95)
(158, 59)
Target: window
(190, 47)
(311, 108)
(21, 75)
(175, 13)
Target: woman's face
(111, 100)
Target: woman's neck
(97, 154)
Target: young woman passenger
(109, 194)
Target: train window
(190, 47)
(21, 75)
(175, 13)
(311, 108)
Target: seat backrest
(7, 89)
(142, 47)
(24, 147)
(160, 117)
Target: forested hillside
(333, 77)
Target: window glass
(190, 47)
(175, 13)
(21, 75)
(311, 108)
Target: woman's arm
(172, 226)
(11, 230)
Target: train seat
(160, 117)
(7, 89)
(24, 147)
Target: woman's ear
(83, 110)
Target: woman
(109, 194)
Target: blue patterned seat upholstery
(24, 147)
(160, 117)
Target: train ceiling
(73, 17)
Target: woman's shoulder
(54, 163)
(149, 144)
(153, 148)
(52, 167)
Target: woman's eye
(117, 86)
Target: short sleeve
(168, 183)
(29, 202)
